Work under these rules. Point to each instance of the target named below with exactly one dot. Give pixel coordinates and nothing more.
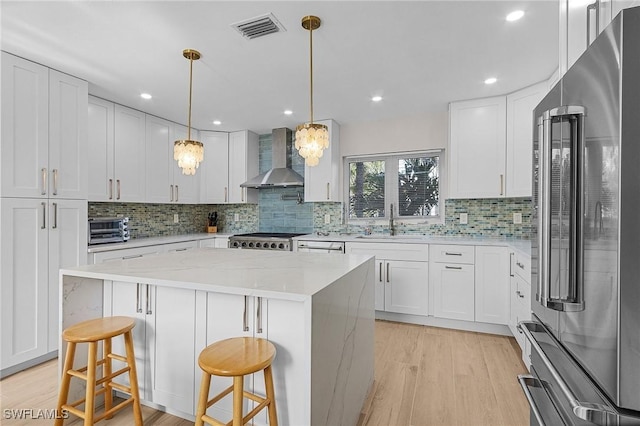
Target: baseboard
(480, 327)
(6, 372)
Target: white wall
(414, 133)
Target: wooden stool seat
(237, 357)
(92, 332)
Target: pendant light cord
(190, 92)
(311, 71)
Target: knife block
(212, 229)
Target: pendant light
(189, 153)
(311, 138)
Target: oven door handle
(526, 381)
(595, 413)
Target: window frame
(391, 190)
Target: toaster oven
(102, 230)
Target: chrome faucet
(392, 229)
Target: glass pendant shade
(189, 154)
(311, 140)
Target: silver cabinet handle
(226, 194)
(111, 189)
(259, 315)
(450, 253)
(177, 194)
(55, 181)
(55, 216)
(380, 272)
(520, 265)
(242, 194)
(44, 181)
(388, 272)
(245, 315)
(526, 381)
(593, 6)
(501, 184)
(132, 257)
(118, 184)
(511, 263)
(149, 311)
(328, 189)
(453, 267)
(138, 304)
(171, 193)
(44, 215)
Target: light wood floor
(424, 376)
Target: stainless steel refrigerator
(585, 328)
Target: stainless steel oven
(102, 230)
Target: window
(411, 182)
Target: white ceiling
(419, 55)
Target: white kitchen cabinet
(164, 340)
(520, 127)
(402, 273)
(44, 131)
(129, 155)
(38, 238)
(451, 282)
(520, 299)
(159, 177)
(100, 141)
(123, 254)
(221, 242)
(243, 165)
(215, 168)
(322, 182)
(492, 285)
(236, 316)
(477, 148)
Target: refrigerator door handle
(574, 302)
(595, 413)
(526, 381)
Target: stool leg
(133, 378)
(268, 383)
(238, 393)
(106, 370)
(89, 404)
(64, 384)
(205, 383)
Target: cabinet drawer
(452, 254)
(522, 266)
(390, 251)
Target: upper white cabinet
(477, 148)
(101, 150)
(44, 131)
(129, 155)
(520, 127)
(243, 165)
(322, 182)
(186, 187)
(214, 187)
(492, 284)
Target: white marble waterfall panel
(343, 347)
(81, 299)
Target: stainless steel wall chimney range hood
(281, 173)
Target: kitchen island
(317, 310)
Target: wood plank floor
(424, 376)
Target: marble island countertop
(283, 275)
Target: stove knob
(258, 245)
(281, 246)
(244, 244)
(273, 245)
(250, 244)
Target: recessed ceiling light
(515, 15)
(490, 80)
(217, 122)
(145, 96)
(288, 112)
(376, 98)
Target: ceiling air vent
(258, 26)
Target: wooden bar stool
(92, 332)
(237, 357)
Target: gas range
(263, 241)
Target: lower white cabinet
(402, 275)
(230, 315)
(164, 340)
(520, 299)
(451, 281)
(217, 242)
(39, 236)
(492, 284)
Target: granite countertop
(152, 241)
(246, 272)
